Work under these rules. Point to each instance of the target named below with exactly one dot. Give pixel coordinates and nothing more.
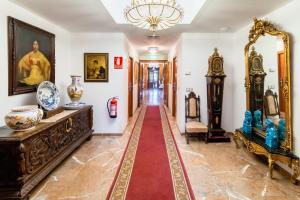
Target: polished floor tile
(216, 171)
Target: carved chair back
(192, 107)
(271, 103)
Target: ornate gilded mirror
(267, 82)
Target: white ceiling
(92, 16)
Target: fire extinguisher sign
(118, 62)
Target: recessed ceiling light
(153, 50)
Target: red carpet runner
(151, 167)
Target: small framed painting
(96, 67)
(31, 57)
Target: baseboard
(107, 134)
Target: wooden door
(174, 87)
(166, 84)
(140, 84)
(130, 87)
(281, 78)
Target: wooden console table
(28, 157)
(256, 144)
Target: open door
(174, 87)
(130, 87)
(281, 78)
(140, 84)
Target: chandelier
(153, 15)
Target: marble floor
(153, 96)
(216, 171)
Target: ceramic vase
(75, 90)
(23, 118)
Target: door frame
(140, 83)
(130, 87)
(174, 87)
(281, 98)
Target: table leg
(235, 138)
(296, 171)
(271, 165)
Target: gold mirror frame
(260, 28)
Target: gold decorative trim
(215, 64)
(272, 158)
(121, 185)
(180, 186)
(259, 29)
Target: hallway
(96, 162)
(153, 96)
(83, 80)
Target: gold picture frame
(260, 29)
(96, 67)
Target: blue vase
(257, 120)
(247, 124)
(282, 129)
(272, 139)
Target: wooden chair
(271, 106)
(193, 123)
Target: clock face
(217, 65)
(256, 65)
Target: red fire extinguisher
(112, 107)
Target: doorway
(130, 87)
(174, 87)
(152, 82)
(281, 78)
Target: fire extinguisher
(112, 107)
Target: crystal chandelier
(153, 15)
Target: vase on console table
(75, 91)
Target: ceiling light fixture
(153, 15)
(153, 50)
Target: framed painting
(96, 67)
(136, 72)
(31, 57)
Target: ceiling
(92, 16)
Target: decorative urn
(75, 90)
(23, 118)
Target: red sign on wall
(118, 62)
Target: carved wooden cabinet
(28, 157)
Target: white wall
(267, 47)
(196, 48)
(97, 93)
(62, 56)
(286, 18)
(131, 52)
(175, 51)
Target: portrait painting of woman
(31, 56)
(96, 67)
(34, 67)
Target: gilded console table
(255, 144)
(27, 157)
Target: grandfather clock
(215, 85)
(257, 80)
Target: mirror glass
(270, 50)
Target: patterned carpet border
(181, 184)
(120, 184)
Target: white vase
(75, 90)
(23, 118)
